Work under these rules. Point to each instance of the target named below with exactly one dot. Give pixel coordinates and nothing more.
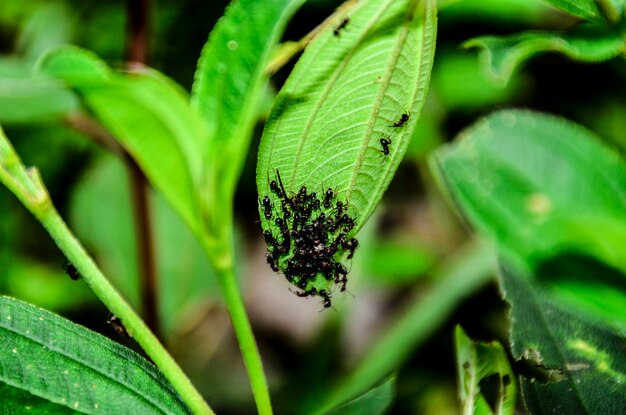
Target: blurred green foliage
(89, 186)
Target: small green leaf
(229, 88)
(376, 401)
(580, 366)
(589, 42)
(538, 185)
(73, 370)
(477, 362)
(150, 116)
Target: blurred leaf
(376, 401)
(229, 89)
(583, 364)
(526, 12)
(478, 362)
(396, 262)
(102, 217)
(538, 185)
(456, 278)
(589, 42)
(590, 9)
(50, 26)
(45, 286)
(460, 83)
(48, 357)
(27, 98)
(344, 94)
(151, 118)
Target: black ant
(116, 324)
(384, 142)
(325, 297)
(351, 246)
(342, 25)
(342, 276)
(328, 197)
(271, 260)
(267, 207)
(280, 183)
(71, 270)
(403, 119)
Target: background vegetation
(553, 214)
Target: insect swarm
(308, 239)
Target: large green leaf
(369, 69)
(149, 115)
(589, 42)
(582, 364)
(229, 88)
(376, 401)
(49, 365)
(541, 187)
(478, 362)
(538, 185)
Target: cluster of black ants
(312, 238)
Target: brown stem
(137, 53)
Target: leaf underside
(345, 93)
(57, 366)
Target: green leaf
(460, 83)
(101, 215)
(353, 82)
(538, 185)
(376, 401)
(149, 115)
(525, 12)
(73, 370)
(585, 9)
(479, 362)
(581, 365)
(25, 98)
(588, 42)
(541, 187)
(49, 26)
(229, 89)
(611, 10)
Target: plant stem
(137, 30)
(29, 189)
(222, 261)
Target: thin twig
(137, 30)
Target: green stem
(222, 261)
(29, 189)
